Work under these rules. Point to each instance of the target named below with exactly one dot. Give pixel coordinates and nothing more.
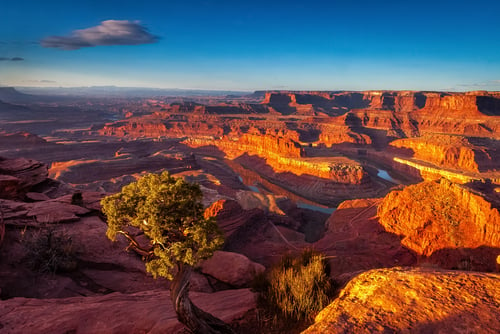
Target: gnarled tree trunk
(194, 318)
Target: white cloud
(110, 32)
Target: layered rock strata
(17, 176)
(141, 312)
(454, 152)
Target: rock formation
(402, 300)
(355, 241)
(455, 152)
(17, 176)
(441, 216)
(141, 312)
(231, 268)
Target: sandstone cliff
(441, 216)
(286, 155)
(274, 145)
(399, 101)
(325, 117)
(153, 127)
(455, 152)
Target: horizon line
(254, 90)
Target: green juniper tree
(169, 212)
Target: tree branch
(146, 253)
(2, 225)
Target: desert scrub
(297, 288)
(49, 251)
(77, 198)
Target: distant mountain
(124, 92)
(11, 95)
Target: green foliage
(50, 251)
(298, 287)
(170, 213)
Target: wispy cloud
(484, 84)
(40, 81)
(11, 59)
(477, 84)
(110, 32)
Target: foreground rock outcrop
(402, 300)
(142, 312)
(17, 176)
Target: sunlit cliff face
(438, 217)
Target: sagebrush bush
(298, 287)
(50, 251)
(77, 198)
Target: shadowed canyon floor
(376, 179)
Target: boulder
(231, 268)
(54, 211)
(199, 283)
(37, 197)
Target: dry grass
(50, 251)
(296, 289)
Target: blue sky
(250, 45)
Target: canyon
(399, 189)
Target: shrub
(77, 198)
(50, 251)
(299, 287)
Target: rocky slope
(402, 300)
(354, 240)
